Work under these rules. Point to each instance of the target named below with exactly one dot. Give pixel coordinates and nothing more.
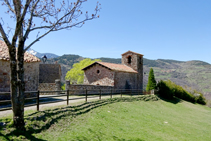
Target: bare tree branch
(9, 6)
(25, 9)
(4, 35)
(59, 24)
(52, 29)
(17, 5)
(30, 20)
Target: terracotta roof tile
(115, 67)
(4, 54)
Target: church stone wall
(124, 80)
(134, 60)
(98, 75)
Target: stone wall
(48, 73)
(124, 80)
(80, 89)
(31, 76)
(98, 75)
(4, 76)
(89, 87)
(47, 87)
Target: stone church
(128, 75)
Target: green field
(118, 119)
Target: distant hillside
(194, 74)
(111, 60)
(68, 59)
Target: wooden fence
(68, 94)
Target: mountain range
(40, 55)
(189, 74)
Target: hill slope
(137, 120)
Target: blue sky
(158, 29)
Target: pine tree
(151, 81)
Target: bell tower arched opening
(129, 60)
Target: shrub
(169, 89)
(183, 94)
(199, 98)
(164, 90)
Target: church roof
(132, 52)
(4, 54)
(111, 66)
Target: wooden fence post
(121, 93)
(100, 94)
(111, 93)
(130, 93)
(86, 96)
(67, 97)
(38, 100)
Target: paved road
(52, 105)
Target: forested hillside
(194, 74)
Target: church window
(98, 71)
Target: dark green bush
(183, 94)
(168, 89)
(164, 90)
(199, 98)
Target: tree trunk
(17, 90)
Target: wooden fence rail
(81, 94)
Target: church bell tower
(135, 61)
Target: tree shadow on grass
(43, 120)
(97, 135)
(120, 139)
(4, 136)
(173, 100)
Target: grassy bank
(145, 118)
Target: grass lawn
(143, 118)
